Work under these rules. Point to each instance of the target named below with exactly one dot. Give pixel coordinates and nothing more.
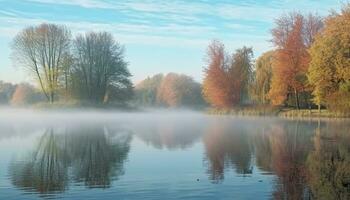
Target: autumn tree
(179, 90)
(227, 78)
(260, 87)
(40, 49)
(292, 36)
(25, 94)
(216, 87)
(146, 91)
(99, 71)
(329, 72)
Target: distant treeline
(308, 67)
(171, 90)
(19, 94)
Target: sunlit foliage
(227, 78)
(329, 71)
(292, 36)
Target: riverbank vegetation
(307, 69)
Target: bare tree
(40, 49)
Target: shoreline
(279, 112)
(239, 111)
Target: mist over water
(170, 154)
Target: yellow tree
(329, 71)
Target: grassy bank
(279, 112)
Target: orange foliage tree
(179, 90)
(292, 37)
(24, 94)
(216, 87)
(226, 78)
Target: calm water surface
(171, 155)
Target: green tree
(262, 82)
(99, 70)
(329, 71)
(146, 91)
(6, 92)
(241, 73)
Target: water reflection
(304, 159)
(289, 149)
(227, 146)
(45, 170)
(93, 155)
(329, 163)
(310, 159)
(98, 155)
(172, 135)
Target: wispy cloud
(82, 3)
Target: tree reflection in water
(169, 134)
(46, 168)
(93, 155)
(329, 163)
(290, 144)
(227, 146)
(97, 156)
(310, 159)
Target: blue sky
(160, 36)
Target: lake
(171, 155)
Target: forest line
(308, 67)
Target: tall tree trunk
(52, 96)
(296, 99)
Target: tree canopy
(226, 79)
(40, 49)
(329, 72)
